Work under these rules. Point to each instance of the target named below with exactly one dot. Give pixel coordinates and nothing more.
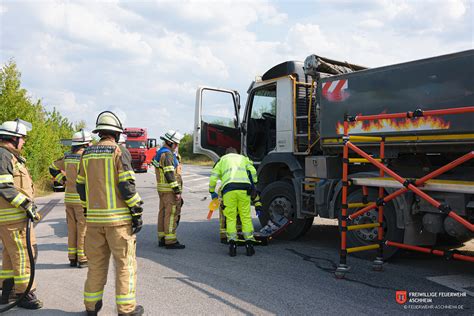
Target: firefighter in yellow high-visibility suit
(232, 169)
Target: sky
(145, 59)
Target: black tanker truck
(292, 127)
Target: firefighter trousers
(76, 232)
(100, 242)
(15, 260)
(170, 210)
(237, 202)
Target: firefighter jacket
(106, 184)
(232, 170)
(167, 177)
(69, 165)
(16, 187)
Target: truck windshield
(135, 144)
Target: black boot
(176, 245)
(83, 264)
(224, 240)
(30, 301)
(249, 248)
(161, 242)
(232, 248)
(73, 263)
(7, 290)
(139, 310)
(95, 312)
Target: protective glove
(214, 195)
(258, 210)
(32, 213)
(85, 211)
(137, 221)
(137, 224)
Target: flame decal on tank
(395, 125)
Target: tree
(43, 145)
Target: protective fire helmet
(172, 136)
(108, 121)
(81, 137)
(122, 139)
(16, 128)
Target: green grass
(201, 161)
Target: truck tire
(366, 237)
(279, 198)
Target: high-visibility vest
(232, 169)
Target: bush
(186, 151)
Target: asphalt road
(284, 278)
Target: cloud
(371, 23)
(145, 59)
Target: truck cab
(141, 148)
(265, 131)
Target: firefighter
(66, 169)
(169, 186)
(16, 204)
(106, 186)
(232, 169)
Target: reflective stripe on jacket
(16, 187)
(166, 170)
(106, 184)
(232, 169)
(70, 165)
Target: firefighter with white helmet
(169, 186)
(16, 205)
(106, 186)
(64, 170)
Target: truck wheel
(368, 236)
(278, 198)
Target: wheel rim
(367, 234)
(280, 206)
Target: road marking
(458, 282)
(198, 179)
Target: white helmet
(122, 139)
(16, 128)
(108, 121)
(81, 138)
(172, 136)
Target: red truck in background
(142, 148)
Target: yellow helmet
(108, 121)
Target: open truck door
(216, 122)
